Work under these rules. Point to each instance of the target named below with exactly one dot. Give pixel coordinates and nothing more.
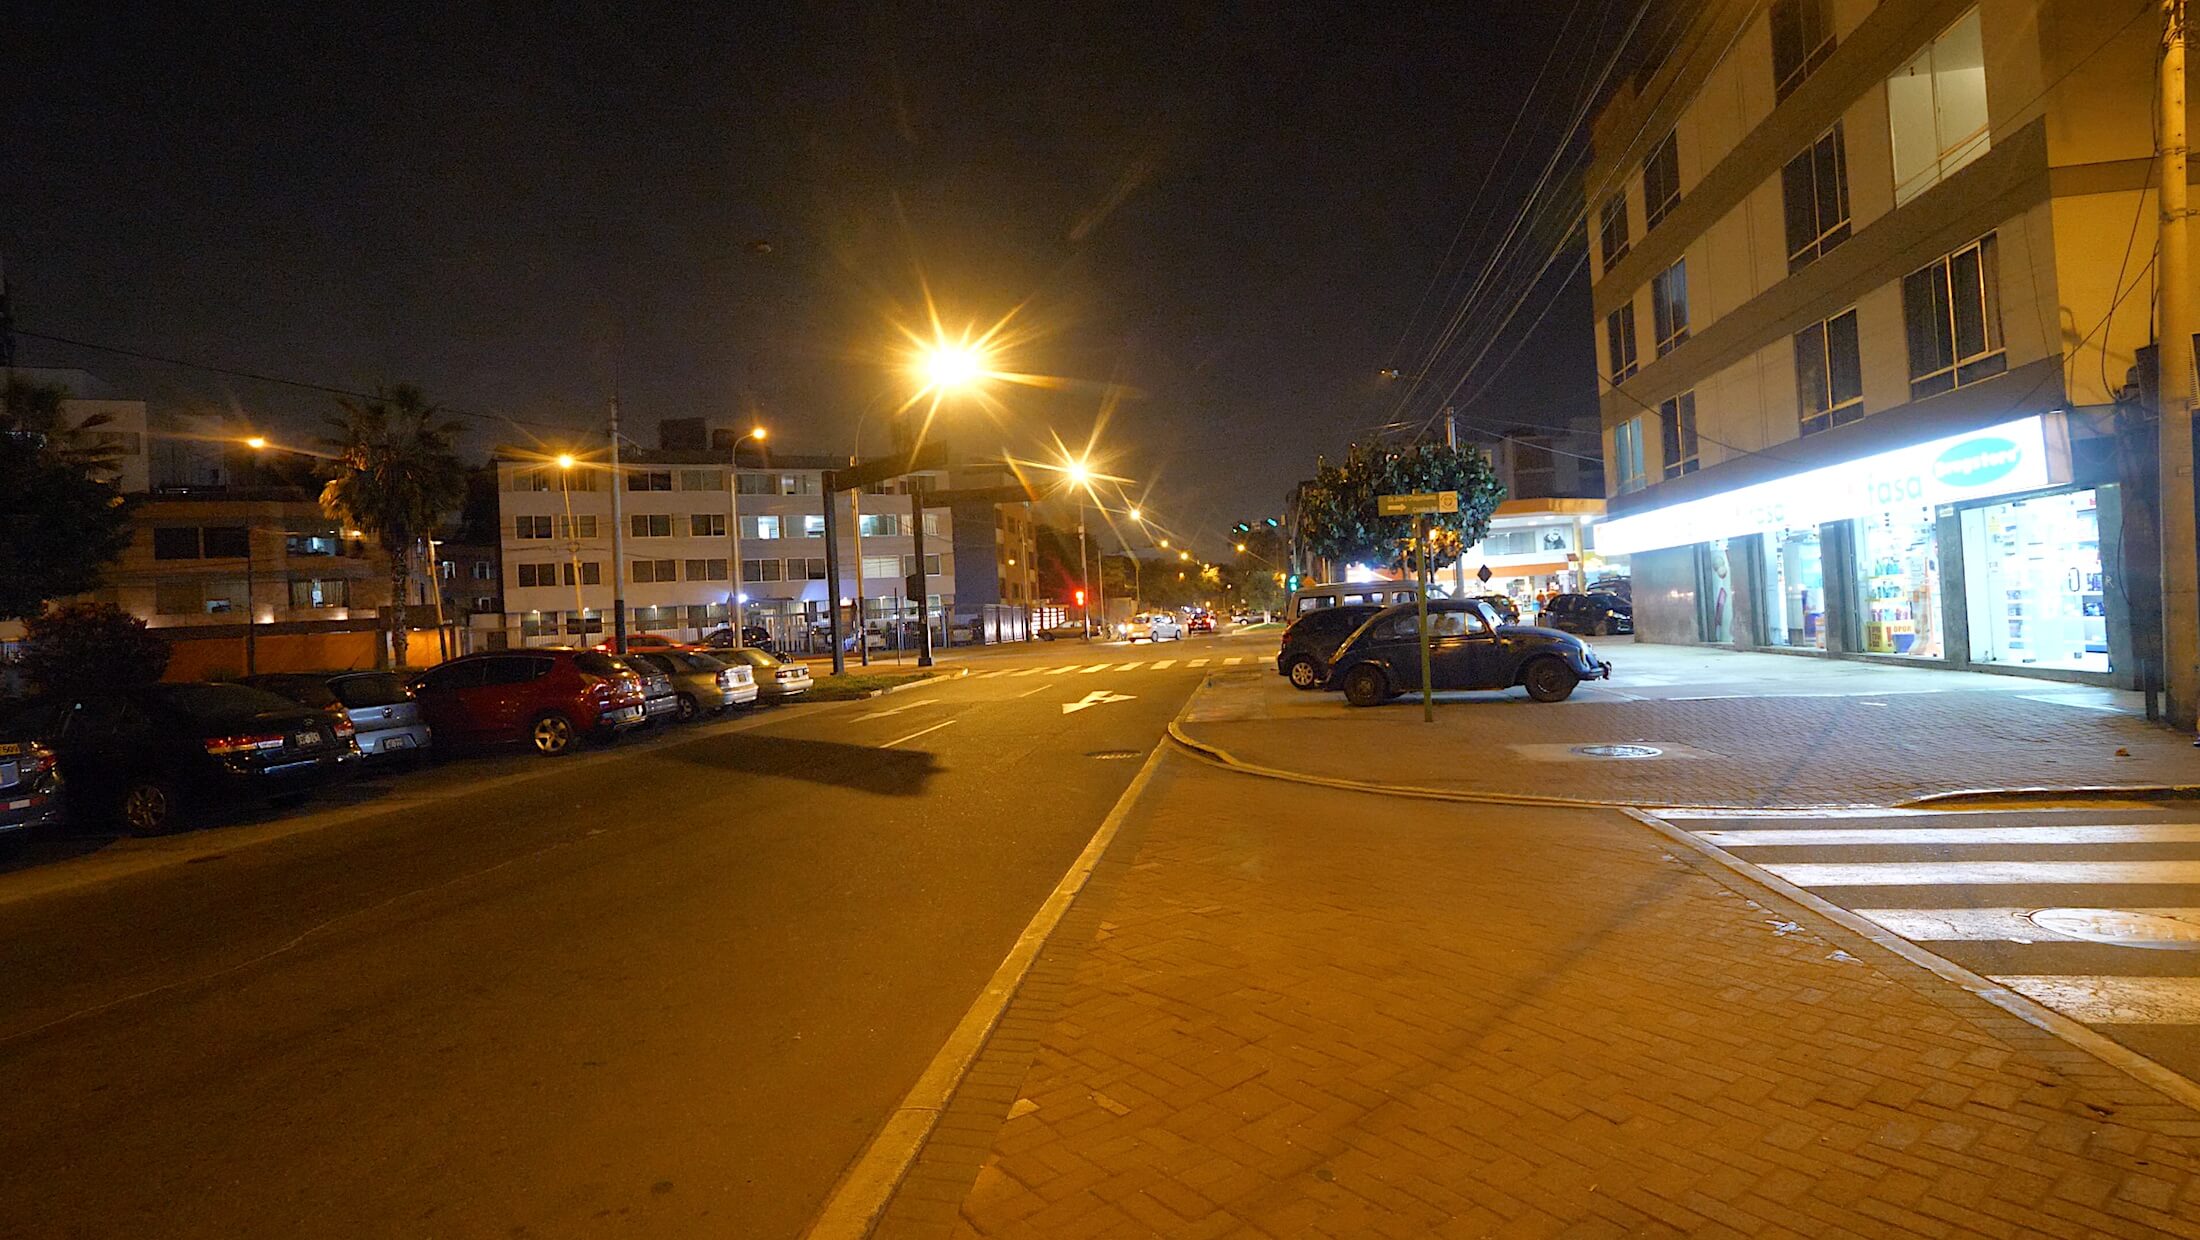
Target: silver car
(702, 682)
(776, 678)
(384, 717)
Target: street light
(566, 462)
(733, 525)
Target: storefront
(1979, 550)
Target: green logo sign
(1976, 462)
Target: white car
(1152, 626)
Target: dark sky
(1232, 212)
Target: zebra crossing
(2094, 913)
(1087, 669)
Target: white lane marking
(1233, 659)
(1130, 667)
(2115, 1000)
(1098, 697)
(1034, 689)
(868, 1184)
(1071, 667)
(2161, 833)
(895, 710)
(1951, 873)
(1097, 667)
(914, 735)
(1195, 663)
(1027, 671)
(1984, 925)
(993, 675)
(1162, 664)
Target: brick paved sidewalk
(1284, 1011)
(1724, 750)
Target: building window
(760, 570)
(759, 484)
(588, 623)
(651, 524)
(931, 565)
(1815, 188)
(1951, 314)
(1802, 38)
(1612, 229)
(1627, 451)
(176, 598)
(176, 543)
(1661, 181)
(1619, 340)
(591, 573)
(931, 525)
(227, 542)
(649, 572)
(702, 480)
(1669, 306)
(649, 480)
(707, 525)
(532, 575)
(577, 479)
(879, 525)
(1829, 380)
(485, 602)
(530, 478)
(530, 527)
(312, 544)
(484, 571)
(798, 484)
(814, 568)
(880, 567)
(319, 592)
(578, 527)
(760, 527)
(1677, 427)
(538, 624)
(706, 570)
(813, 526)
(1936, 109)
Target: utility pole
(733, 533)
(919, 585)
(1084, 573)
(1458, 566)
(832, 570)
(618, 543)
(2180, 540)
(855, 531)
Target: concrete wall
(1665, 596)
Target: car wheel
(552, 734)
(1601, 628)
(688, 707)
(149, 807)
(1549, 680)
(1303, 674)
(1366, 687)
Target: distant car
(754, 635)
(1151, 626)
(1468, 649)
(384, 717)
(1597, 614)
(547, 698)
(701, 682)
(156, 756)
(30, 791)
(1506, 609)
(1303, 659)
(1200, 622)
(1059, 632)
(776, 678)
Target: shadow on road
(883, 772)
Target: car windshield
(598, 664)
(218, 703)
(371, 689)
(310, 690)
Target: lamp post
(733, 528)
(566, 462)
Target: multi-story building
(1868, 280)
(121, 426)
(679, 546)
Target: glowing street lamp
(755, 434)
(566, 461)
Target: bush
(80, 646)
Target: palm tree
(39, 412)
(396, 475)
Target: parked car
(1060, 632)
(660, 701)
(776, 678)
(1343, 593)
(385, 719)
(1468, 649)
(549, 698)
(1303, 658)
(1597, 614)
(1151, 626)
(156, 756)
(1201, 621)
(1506, 609)
(1621, 588)
(642, 641)
(754, 635)
(701, 682)
(30, 791)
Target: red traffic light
(1080, 598)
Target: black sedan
(1596, 613)
(1303, 658)
(1468, 649)
(154, 756)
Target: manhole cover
(2120, 926)
(1618, 751)
(1109, 755)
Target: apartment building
(680, 515)
(1869, 279)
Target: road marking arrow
(1097, 697)
(894, 710)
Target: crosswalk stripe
(2154, 833)
(1233, 659)
(992, 675)
(1952, 873)
(1196, 663)
(2115, 1000)
(1027, 671)
(1067, 667)
(1131, 667)
(1097, 667)
(1986, 925)
(1163, 664)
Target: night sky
(1232, 213)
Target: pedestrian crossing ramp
(1093, 666)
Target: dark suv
(1596, 614)
(549, 699)
(1314, 637)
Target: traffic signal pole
(2180, 538)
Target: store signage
(2024, 455)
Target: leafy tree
(396, 474)
(61, 520)
(91, 646)
(1337, 508)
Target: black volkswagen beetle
(1469, 648)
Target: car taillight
(340, 719)
(37, 761)
(223, 746)
(725, 679)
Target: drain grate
(1618, 751)
(1111, 755)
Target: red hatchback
(549, 699)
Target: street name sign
(1418, 502)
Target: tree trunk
(400, 577)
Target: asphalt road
(672, 992)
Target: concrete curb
(956, 674)
(2081, 792)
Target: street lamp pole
(733, 531)
(618, 544)
(572, 544)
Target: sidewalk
(1754, 730)
(1285, 1011)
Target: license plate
(306, 740)
(397, 742)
